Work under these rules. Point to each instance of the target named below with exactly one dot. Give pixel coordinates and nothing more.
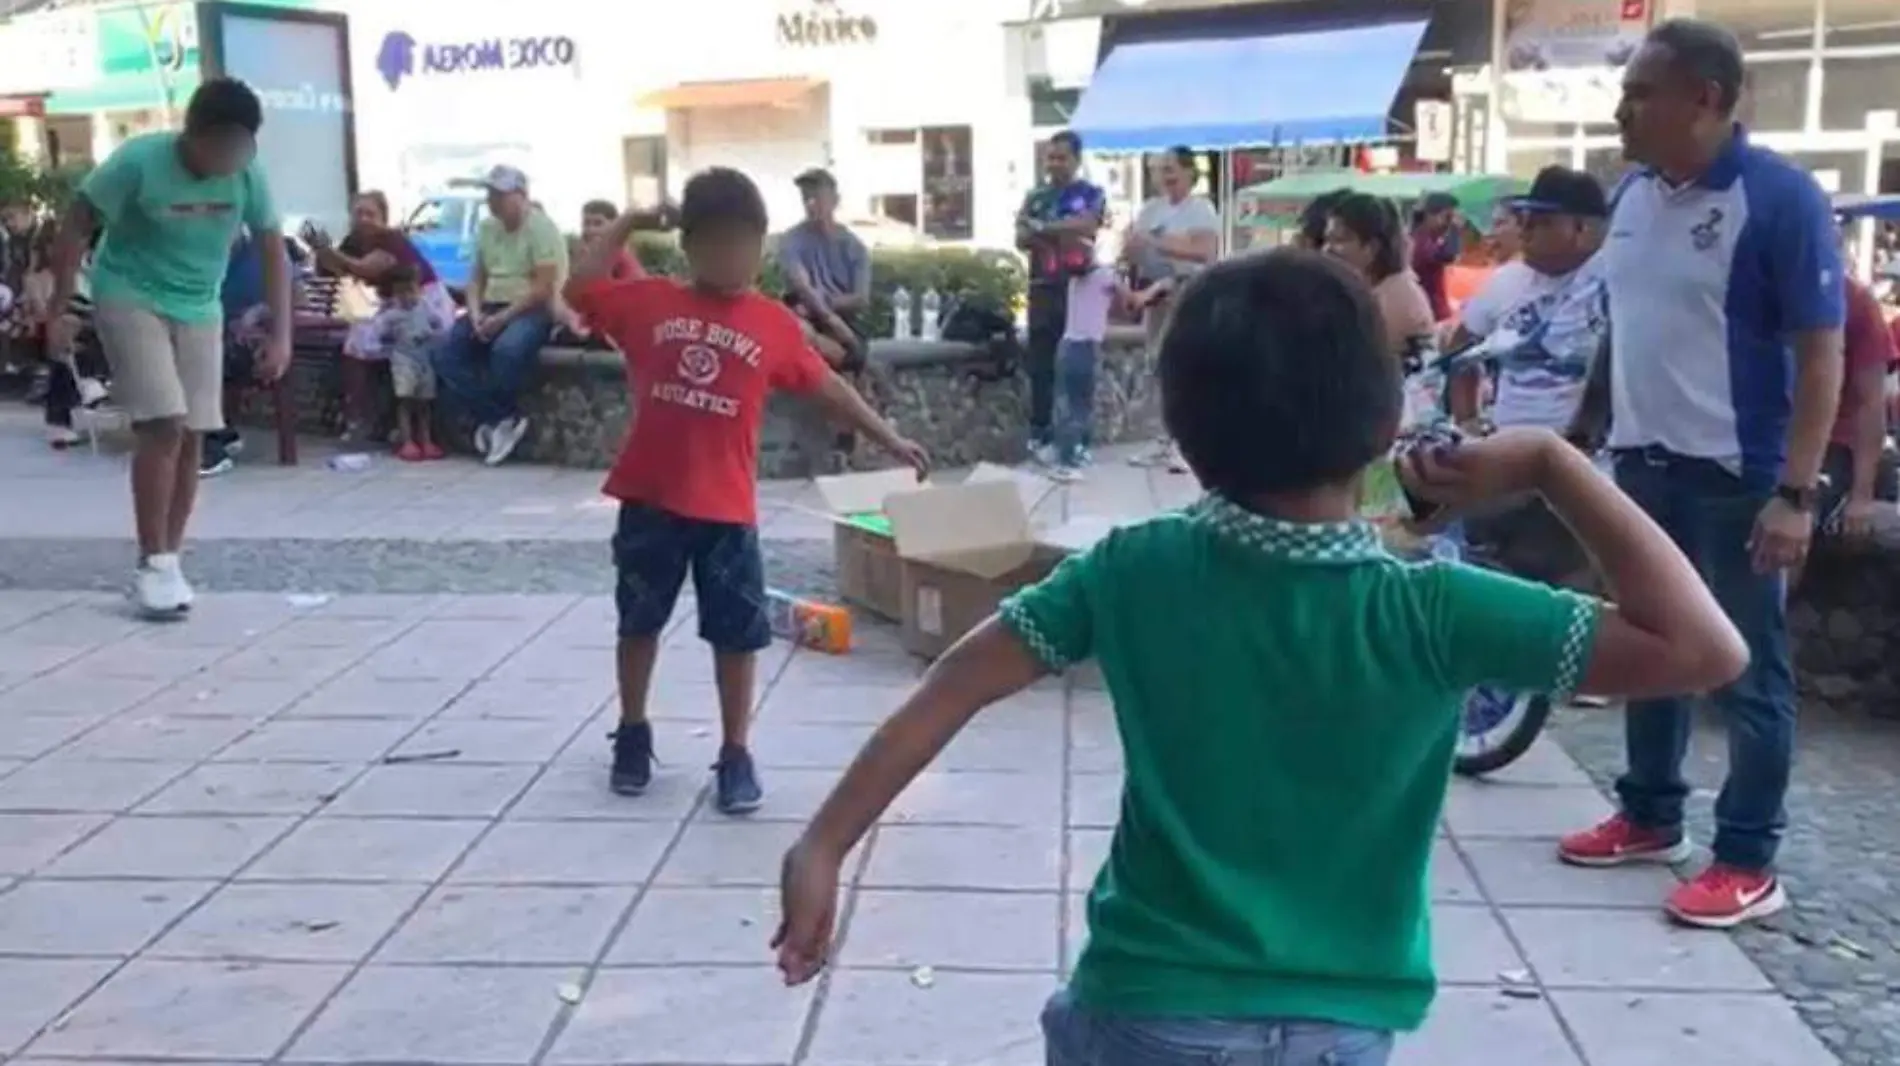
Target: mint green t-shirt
(168, 232)
(509, 258)
(1288, 698)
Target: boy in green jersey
(1288, 739)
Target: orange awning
(755, 92)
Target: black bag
(988, 327)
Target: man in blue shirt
(1726, 308)
(1056, 227)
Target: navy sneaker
(737, 782)
(633, 759)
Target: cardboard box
(962, 550)
(864, 553)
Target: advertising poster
(1562, 60)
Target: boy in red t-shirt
(701, 358)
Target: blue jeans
(1076, 361)
(1710, 514)
(1073, 1036)
(487, 394)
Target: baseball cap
(1563, 191)
(814, 179)
(505, 179)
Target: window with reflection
(1527, 162)
(1775, 96)
(1851, 86)
(1836, 171)
(1763, 25)
(1861, 23)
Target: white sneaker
(1067, 475)
(484, 439)
(62, 437)
(1176, 464)
(92, 392)
(1043, 455)
(503, 439)
(1158, 454)
(159, 589)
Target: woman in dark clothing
(367, 254)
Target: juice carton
(809, 623)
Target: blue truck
(442, 227)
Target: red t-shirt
(1865, 344)
(626, 267)
(699, 367)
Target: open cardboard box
(865, 556)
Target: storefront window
(949, 206)
(1527, 162)
(1776, 95)
(1836, 171)
(1607, 165)
(1050, 106)
(1853, 23)
(1762, 25)
(1851, 86)
(899, 208)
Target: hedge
(987, 277)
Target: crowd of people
(1288, 738)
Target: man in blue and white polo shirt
(1726, 307)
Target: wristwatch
(1801, 498)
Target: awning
(1280, 201)
(756, 92)
(1310, 87)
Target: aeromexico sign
(403, 56)
(825, 22)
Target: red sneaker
(1617, 840)
(433, 451)
(1723, 897)
(410, 452)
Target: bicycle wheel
(1497, 729)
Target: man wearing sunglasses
(170, 204)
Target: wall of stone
(1845, 620)
(951, 398)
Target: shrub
(23, 181)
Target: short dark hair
(1275, 375)
(1313, 217)
(222, 105)
(1705, 53)
(1183, 155)
(721, 196)
(1374, 220)
(401, 275)
(601, 209)
(1068, 138)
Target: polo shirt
(1288, 744)
(1708, 283)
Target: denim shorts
(654, 549)
(1074, 1036)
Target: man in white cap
(520, 261)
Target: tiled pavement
(212, 848)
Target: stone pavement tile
(571, 701)
(793, 745)
(20, 606)
(880, 1018)
(1075, 924)
(544, 660)
(148, 659)
(790, 796)
(1023, 746)
(1470, 946)
(463, 648)
(804, 669)
(359, 694)
(44, 917)
(437, 1014)
(956, 930)
(1095, 800)
(937, 797)
(570, 853)
(318, 740)
(200, 1010)
(31, 736)
(741, 853)
(1451, 879)
(1473, 1026)
(367, 849)
(30, 841)
(975, 857)
(715, 1017)
(249, 699)
(208, 847)
(86, 623)
(66, 693)
(1617, 1028)
(577, 789)
(393, 606)
(509, 924)
(1629, 949)
(1094, 746)
(252, 788)
(30, 659)
(61, 784)
(38, 991)
(325, 630)
(839, 703)
(674, 704)
(492, 740)
(289, 922)
(529, 611)
(434, 790)
(699, 926)
(265, 661)
(1526, 872)
(1546, 763)
(136, 736)
(1481, 809)
(1088, 850)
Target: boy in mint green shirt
(170, 205)
(1287, 693)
